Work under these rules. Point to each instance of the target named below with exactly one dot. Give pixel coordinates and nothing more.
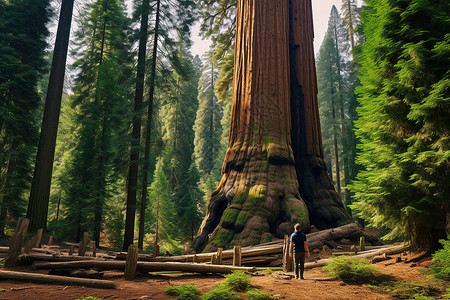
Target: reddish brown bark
(259, 195)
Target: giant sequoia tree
(274, 174)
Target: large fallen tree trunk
(368, 254)
(56, 258)
(143, 266)
(52, 279)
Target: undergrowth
(352, 270)
(407, 290)
(184, 292)
(441, 261)
(236, 282)
(255, 294)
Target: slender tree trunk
(134, 156)
(40, 187)
(336, 151)
(131, 205)
(5, 199)
(274, 91)
(350, 23)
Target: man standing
(299, 246)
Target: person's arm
(291, 249)
(307, 249)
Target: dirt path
(316, 286)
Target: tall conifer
(404, 121)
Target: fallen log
(143, 266)
(378, 258)
(53, 279)
(391, 250)
(54, 257)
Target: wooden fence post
(15, 247)
(219, 256)
(361, 244)
(287, 260)
(94, 249)
(195, 259)
(214, 259)
(237, 256)
(83, 244)
(132, 258)
(50, 241)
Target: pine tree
(333, 83)
(178, 115)
(161, 206)
(171, 18)
(22, 62)
(404, 121)
(100, 93)
(207, 123)
(40, 188)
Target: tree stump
(131, 264)
(83, 244)
(15, 247)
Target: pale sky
(321, 12)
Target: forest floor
(316, 285)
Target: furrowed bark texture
(324, 204)
(259, 195)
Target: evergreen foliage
(207, 125)
(22, 63)
(403, 121)
(219, 24)
(161, 206)
(441, 261)
(99, 103)
(351, 269)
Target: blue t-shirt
(299, 239)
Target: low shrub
(220, 293)
(238, 281)
(441, 261)
(268, 271)
(255, 294)
(184, 292)
(351, 269)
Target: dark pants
(299, 258)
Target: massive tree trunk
(274, 150)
